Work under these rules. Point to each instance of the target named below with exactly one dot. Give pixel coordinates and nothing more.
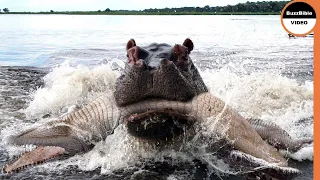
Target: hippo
(161, 96)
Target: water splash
(267, 95)
(66, 86)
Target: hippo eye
(127, 56)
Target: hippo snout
(158, 71)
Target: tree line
(260, 6)
(6, 10)
(274, 7)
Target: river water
(51, 63)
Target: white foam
(119, 150)
(258, 92)
(305, 153)
(65, 86)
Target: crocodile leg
(276, 136)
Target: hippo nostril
(176, 49)
(141, 64)
(166, 62)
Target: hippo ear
(189, 44)
(131, 43)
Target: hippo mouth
(163, 125)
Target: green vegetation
(5, 10)
(147, 13)
(248, 8)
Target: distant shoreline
(145, 13)
(247, 8)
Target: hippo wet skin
(160, 81)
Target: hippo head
(158, 71)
